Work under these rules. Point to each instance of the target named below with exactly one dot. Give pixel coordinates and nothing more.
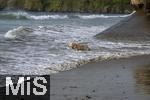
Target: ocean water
(37, 43)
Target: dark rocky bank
(132, 28)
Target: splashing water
(41, 47)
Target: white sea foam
(102, 16)
(25, 15)
(58, 67)
(17, 32)
(43, 17)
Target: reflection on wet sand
(142, 77)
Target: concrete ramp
(134, 28)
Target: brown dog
(79, 46)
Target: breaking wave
(25, 15)
(103, 16)
(17, 32)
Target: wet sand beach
(122, 79)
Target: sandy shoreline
(106, 80)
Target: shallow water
(45, 50)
